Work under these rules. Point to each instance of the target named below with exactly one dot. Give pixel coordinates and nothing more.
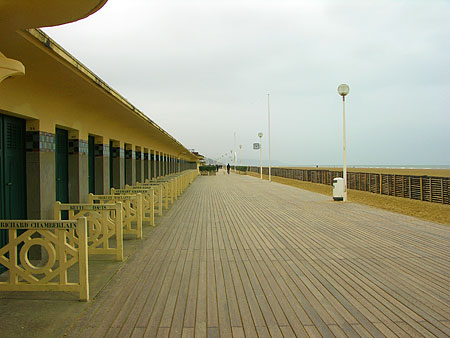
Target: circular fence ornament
(45, 245)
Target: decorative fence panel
(165, 191)
(425, 188)
(104, 224)
(131, 210)
(52, 273)
(158, 189)
(170, 188)
(148, 200)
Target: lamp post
(343, 90)
(240, 154)
(234, 152)
(268, 118)
(260, 135)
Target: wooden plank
(178, 313)
(235, 256)
(231, 299)
(221, 295)
(188, 333)
(191, 303)
(238, 332)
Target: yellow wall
(59, 92)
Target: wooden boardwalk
(238, 257)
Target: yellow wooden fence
(53, 238)
(104, 225)
(66, 244)
(131, 209)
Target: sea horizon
(376, 166)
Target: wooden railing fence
(91, 229)
(424, 188)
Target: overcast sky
(202, 69)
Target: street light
(343, 90)
(235, 152)
(260, 135)
(240, 153)
(268, 118)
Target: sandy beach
(394, 171)
(434, 212)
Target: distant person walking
(228, 168)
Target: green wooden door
(12, 168)
(62, 166)
(2, 178)
(3, 233)
(91, 164)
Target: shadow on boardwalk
(236, 256)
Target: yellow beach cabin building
(64, 133)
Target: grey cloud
(202, 70)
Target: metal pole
(268, 114)
(260, 155)
(240, 154)
(234, 152)
(345, 155)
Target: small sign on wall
(256, 146)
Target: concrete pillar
(101, 167)
(165, 164)
(146, 165)
(130, 162)
(118, 164)
(166, 167)
(78, 169)
(155, 165)
(169, 164)
(40, 171)
(139, 165)
(158, 158)
(152, 164)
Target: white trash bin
(338, 189)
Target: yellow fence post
(83, 258)
(139, 216)
(119, 230)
